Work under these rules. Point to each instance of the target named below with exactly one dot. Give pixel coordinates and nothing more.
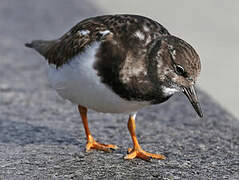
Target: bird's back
(130, 32)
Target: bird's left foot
(140, 153)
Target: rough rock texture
(41, 135)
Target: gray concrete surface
(41, 135)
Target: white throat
(169, 91)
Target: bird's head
(175, 65)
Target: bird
(120, 64)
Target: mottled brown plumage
(137, 57)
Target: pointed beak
(192, 96)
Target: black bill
(192, 96)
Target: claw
(92, 144)
(139, 153)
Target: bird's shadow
(23, 133)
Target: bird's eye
(179, 70)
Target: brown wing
(74, 42)
(123, 30)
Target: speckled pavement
(42, 137)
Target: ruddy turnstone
(120, 64)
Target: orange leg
(137, 151)
(91, 143)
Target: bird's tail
(41, 46)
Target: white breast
(78, 82)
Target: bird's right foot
(92, 144)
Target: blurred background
(211, 27)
